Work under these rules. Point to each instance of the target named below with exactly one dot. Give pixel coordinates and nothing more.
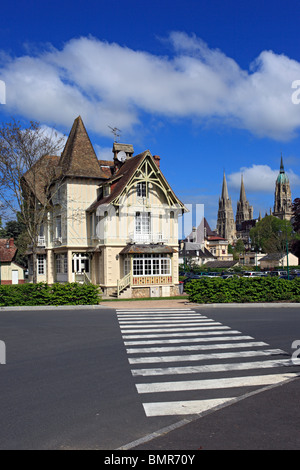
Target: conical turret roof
(78, 157)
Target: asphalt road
(67, 384)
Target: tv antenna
(115, 131)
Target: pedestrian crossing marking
(149, 336)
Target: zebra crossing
(184, 363)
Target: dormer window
(141, 189)
(106, 190)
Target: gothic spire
(224, 189)
(242, 191)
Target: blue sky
(207, 85)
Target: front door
(80, 264)
(15, 276)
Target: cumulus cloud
(109, 84)
(259, 178)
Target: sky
(205, 84)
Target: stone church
(239, 228)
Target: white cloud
(108, 84)
(259, 178)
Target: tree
(296, 224)
(27, 173)
(270, 234)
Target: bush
(241, 290)
(44, 294)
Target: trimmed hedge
(44, 294)
(241, 290)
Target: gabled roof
(41, 174)
(78, 157)
(119, 181)
(7, 250)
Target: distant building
(274, 260)
(10, 271)
(283, 197)
(226, 227)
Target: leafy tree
(270, 234)
(26, 176)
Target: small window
(141, 189)
(41, 264)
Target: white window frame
(151, 265)
(141, 189)
(40, 264)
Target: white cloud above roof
(110, 84)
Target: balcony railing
(41, 241)
(148, 238)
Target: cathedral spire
(224, 188)
(281, 165)
(283, 197)
(242, 191)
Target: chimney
(157, 160)
(10, 243)
(122, 152)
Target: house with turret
(113, 223)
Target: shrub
(44, 294)
(240, 289)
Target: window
(58, 227)
(41, 264)
(141, 189)
(142, 223)
(151, 265)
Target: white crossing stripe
(217, 330)
(213, 384)
(211, 368)
(182, 407)
(205, 346)
(189, 340)
(200, 347)
(203, 357)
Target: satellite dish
(121, 156)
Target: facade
(207, 243)
(274, 260)
(225, 224)
(112, 223)
(10, 272)
(244, 215)
(283, 197)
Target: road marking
(213, 384)
(189, 407)
(188, 340)
(201, 347)
(203, 357)
(211, 368)
(149, 335)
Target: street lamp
(287, 253)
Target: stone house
(10, 271)
(112, 223)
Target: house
(274, 260)
(212, 245)
(250, 258)
(194, 253)
(10, 271)
(112, 223)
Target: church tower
(244, 210)
(283, 197)
(225, 223)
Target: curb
(148, 305)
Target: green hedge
(44, 294)
(240, 290)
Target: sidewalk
(138, 304)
